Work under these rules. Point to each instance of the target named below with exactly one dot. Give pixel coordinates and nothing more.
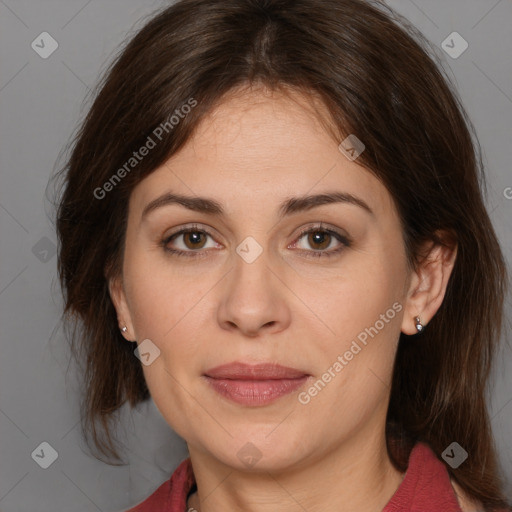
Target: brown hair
(379, 79)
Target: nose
(254, 299)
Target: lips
(254, 385)
(261, 371)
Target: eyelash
(344, 240)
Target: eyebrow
(288, 207)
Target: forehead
(258, 146)
(263, 123)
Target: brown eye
(189, 242)
(318, 242)
(319, 239)
(194, 239)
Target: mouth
(254, 385)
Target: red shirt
(425, 487)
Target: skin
(253, 151)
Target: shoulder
(467, 504)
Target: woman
(279, 201)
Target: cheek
(354, 297)
(168, 308)
(161, 296)
(354, 365)
(362, 307)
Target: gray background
(40, 106)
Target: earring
(124, 329)
(419, 325)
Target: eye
(320, 239)
(187, 241)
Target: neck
(357, 475)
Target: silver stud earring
(124, 329)
(419, 325)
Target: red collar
(426, 486)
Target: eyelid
(194, 226)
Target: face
(317, 286)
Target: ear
(118, 296)
(429, 281)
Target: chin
(260, 451)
